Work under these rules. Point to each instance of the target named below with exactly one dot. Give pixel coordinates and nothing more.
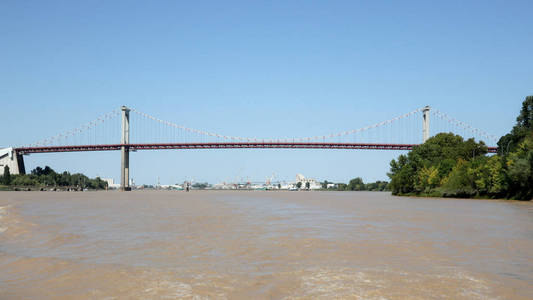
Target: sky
(260, 69)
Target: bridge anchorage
(151, 133)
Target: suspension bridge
(141, 131)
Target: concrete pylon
(125, 140)
(10, 158)
(425, 126)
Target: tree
(427, 179)
(524, 124)
(458, 183)
(48, 177)
(307, 185)
(342, 186)
(40, 171)
(427, 165)
(24, 181)
(200, 185)
(494, 182)
(402, 176)
(299, 184)
(325, 184)
(6, 179)
(520, 171)
(356, 184)
(447, 165)
(525, 118)
(517, 149)
(37, 171)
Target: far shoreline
(261, 191)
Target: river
(262, 245)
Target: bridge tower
(425, 127)
(125, 161)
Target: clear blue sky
(273, 68)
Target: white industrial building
(313, 184)
(111, 183)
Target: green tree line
(447, 165)
(357, 184)
(47, 177)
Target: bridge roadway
(240, 145)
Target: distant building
(313, 184)
(111, 183)
(332, 186)
(224, 186)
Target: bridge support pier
(425, 127)
(10, 158)
(125, 151)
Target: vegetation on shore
(448, 166)
(48, 178)
(357, 184)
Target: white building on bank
(313, 183)
(111, 183)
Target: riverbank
(44, 188)
(441, 195)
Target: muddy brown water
(262, 245)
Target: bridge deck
(254, 145)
